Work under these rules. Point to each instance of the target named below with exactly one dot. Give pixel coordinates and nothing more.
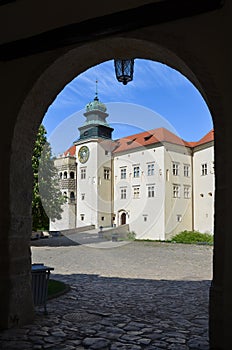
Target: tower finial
(96, 93)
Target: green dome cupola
(95, 124)
(95, 105)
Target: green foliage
(47, 197)
(193, 237)
(56, 288)
(131, 235)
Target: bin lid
(41, 267)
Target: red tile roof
(71, 151)
(149, 138)
(207, 138)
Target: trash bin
(40, 277)
(114, 237)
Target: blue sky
(157, 96)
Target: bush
(131, 235)
(193, 237)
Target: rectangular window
(123, 193)
(204, 170)
(83, 196)
(175, 168)
(136, 171)
(82, 217)
(123, 173)
(176, 191)
(151, 191)
(186, 170)
(150, 169)
(179, 218)
(212, 167)
(107, 174)
(83, 173)
(187, 193)
(136, 192)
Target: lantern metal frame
(124, 70)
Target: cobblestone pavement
(140, 295)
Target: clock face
(83, 154)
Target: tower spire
(96, 93)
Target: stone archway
(45, 89)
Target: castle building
(154, 181)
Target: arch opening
(135, 48)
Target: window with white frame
(175, 168)
(150, 169)
(123, 173)
(136, 171)
(187, 191)
(204, 169)
(83, 173)
(151, 191)
(123, 193)
(106, 173)
(178, 217)
(176, 191)
(136, 191)
(186, 170)
(82, 217)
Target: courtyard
(138, 295)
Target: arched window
(65, 175)
(60, 175)
(71, 174)
(72, 196)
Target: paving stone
(144, 341)
(59, 333)
(96, 343)
(121, 346)
(124, 313)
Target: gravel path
(152, 260)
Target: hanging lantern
(124, 70)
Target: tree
(47, 198)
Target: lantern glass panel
(124, 70)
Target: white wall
(177, 207)
(68, 219)
(143, 208)
(87, 187)
(204, 186)
(97, 203)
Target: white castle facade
(153, 181)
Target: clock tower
(94, 168)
